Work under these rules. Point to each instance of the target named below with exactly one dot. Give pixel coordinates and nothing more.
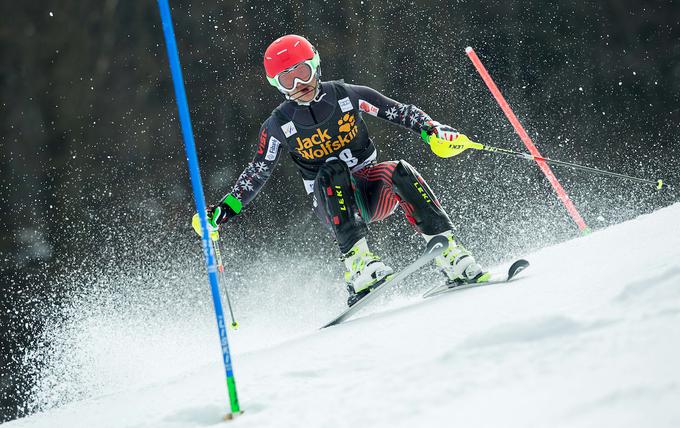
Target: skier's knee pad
(408, 184)
(334, 191)
(333, 173)
(404, 174)
(428, 215)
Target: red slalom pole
(561, 193)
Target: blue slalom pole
(199, 197)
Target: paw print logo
(346, 123)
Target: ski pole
(220, 268)
(215, 242)
(453, 148)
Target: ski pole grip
(446, 149)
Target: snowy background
(103, 285)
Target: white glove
(444, 132)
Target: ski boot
(364, 271)
(459, 266)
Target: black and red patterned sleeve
(376, 104)
(258, 171)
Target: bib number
(347, 157)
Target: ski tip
(517, 267)
(468, 49)
(437, 245)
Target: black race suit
(329, 142)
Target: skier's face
(304, 92)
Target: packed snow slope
(589, 336)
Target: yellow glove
(196, 224)
(218, 214)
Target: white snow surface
(589, 336)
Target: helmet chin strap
(317, 91)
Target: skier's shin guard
(334, 193)
(427, 216)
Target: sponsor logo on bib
(321, 144)
(345, 104)
(289, 129)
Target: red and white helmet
(291, 59)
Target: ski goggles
(302, 72)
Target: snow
(589, 336)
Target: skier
(321, 126)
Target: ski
(517, 267)
(434, 248)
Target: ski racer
(321, 127)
